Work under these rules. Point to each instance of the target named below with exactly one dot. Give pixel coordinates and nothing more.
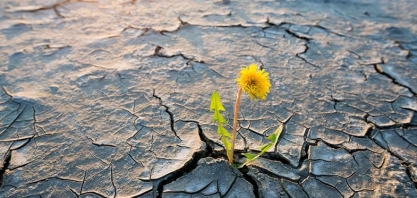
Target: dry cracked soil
(110, 98)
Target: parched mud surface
(109, 98)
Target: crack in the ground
(412, 176)
(195, 192)
(408, 56)
(402, 161)
(158, 53)
(292, 33)
(171, 115)
(251, 180)
(379, 70)
(54, 7)
(281, 183)
(73, 192)
(6, 165)
(187, 168)
(112, 180)
(192, 164)
(231, 185)
(15, 119)
(209, 143)
(328, 185)
(82, 184)
(305, 60)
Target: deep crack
(171, 115)
(381, 71)
(297, 36)
(187, 168)
(391, 153)
(6, 164)
(251, 180)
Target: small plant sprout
(256, 84)
(273, 138)
(216, 106)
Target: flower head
(254, 82)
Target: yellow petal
(254, 82)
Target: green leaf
(273, 138)
(216, 104)
(263, 147)
(226, 143)
(238, 165)
(217, 117)
(223, 132)
(250, 156)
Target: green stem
(239, 93)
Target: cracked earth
(110, 98)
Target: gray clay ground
(110, 98)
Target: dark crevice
(187, 168)
(327, 30)
(73, 192)
(15, 119)
(269, 23)
(193, 163)
(180, 25)
(251, 180)
(6, 164)
(82, 184)
(183, 23)
(305, 60)
(24, 144)
(7, 93)
(408, 56)
(391, 153)
(230, 187)
(333, 146)
(341, 194)
(158, 53)
(304, 173)
(306, 144)
(209, 143)
(54, 7)
(310, 26)
(194, 192)
(412, 177)
(356, 54)
(297, 36)
(112, 180)
(404, 139)
(381, 71)
(171, 115)
(100, 145)
(335, 101)
(281, 183)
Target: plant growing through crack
(256, 84)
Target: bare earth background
(110, 98)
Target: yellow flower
(254, 82)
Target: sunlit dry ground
(110, 98)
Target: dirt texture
(110, 98)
